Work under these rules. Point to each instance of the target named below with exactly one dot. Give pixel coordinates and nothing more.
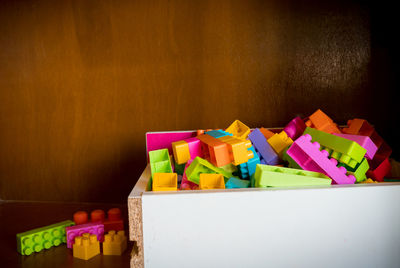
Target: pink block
(194, 147)
(161, 140)
(295, 128)
(308, 156)
(96, 228)
(363, 141)
(186, 184)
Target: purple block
(96, 228)
(363, 141)
(308, 156)
(262, 146)
(295, 128)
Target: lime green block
(359, 171)
(160, 161)
(42, 238)
(200, 165)
(343, 150)
(289, 160)
(273, 176)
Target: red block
(114, 220)
(379, 168)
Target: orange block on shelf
(214, 150)
(319, 120)
(238, 149)
(267, 133)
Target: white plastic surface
(342, 226)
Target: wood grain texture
(82, 81)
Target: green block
(200, 165)
(160, 161)
(359, 171)
(42, 238)
(343, 150)
(179, 169)
(273, 176)
(289, 160)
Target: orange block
(238, 149)
(214, 150)
(267, 133)
(319, 120)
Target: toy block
(379, 168)
(179, 168)
(262, 146)
(238, 149)
(369, 181)
(295, 128)
(86, 247)
(181, 151)
(200, 165)
(42, 238)
(308, 156)
(247, 169)
(211, 181)
(319, 120)
(358, 126)
(186, 184)
(230, 168)
(218, 133)
(279, 142)
(194, 147)
(343, 150)
(80, 217)
(214, 150)
(160, 161)
(266, 132)
(165, 182)
(289, 160)
(273, 176)
(239, 130)
(359, 171)
(236, 183)
(97, 215)
(114, 220)
(77, 230)
(384, 150)
(363, 141)
(114, 243)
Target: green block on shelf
(42, 238)
(289, 160)
(273, 176)
(359, 171)
(160, 161)
(200, 165)
(343, 150)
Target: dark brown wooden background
(82, 81)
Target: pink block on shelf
(95, 228)
(194, 147)
(186, 184)
(295, 128)
(161, 140)
(363, 141)
(308, 156)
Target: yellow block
(238, 129)
(114, 243)
(165, 182)
(86, 247)
(279, 142)
(181, 152)
(238, 149)
(211, 181)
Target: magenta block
(194, 147)
(295, 128)
(363, 141)
(308, 156)
(95, 228)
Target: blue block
(236, 183)
(249, 168)
(262, 146)
(218, 133)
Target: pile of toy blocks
(307, 152)
(81, 235)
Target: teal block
(42, 238)
(273, 176)
(237, 183)
(343, 150)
